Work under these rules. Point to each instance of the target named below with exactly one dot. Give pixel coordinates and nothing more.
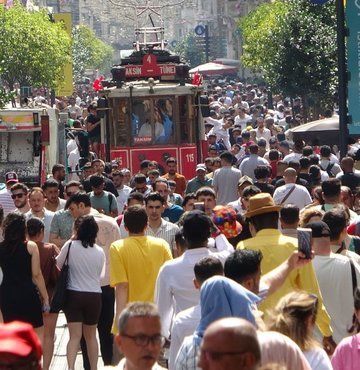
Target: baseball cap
(200, 167)
(114, 163)
(319, 229)
(87, 165)
(244, 179)
(212, 112)
(19, 339)
(196, 226)
(11, 177)
(224, 217)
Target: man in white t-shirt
(226, 179)
(327, 163)
(292, 193)
(261, 131)
(242, 118)
(334, 275)
(123, 190)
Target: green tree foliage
(33, 50)
(89, 52)
(190, 51)
(294, 44)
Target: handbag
(59, 296)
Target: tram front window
(151, 121)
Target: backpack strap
(356, 243)
(110, 198)
(353, 275)
(329, 168)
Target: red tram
(152, 108)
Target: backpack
(328, 169)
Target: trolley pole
(207, 44)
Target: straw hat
(260, 204)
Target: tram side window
(151, 121)
(163, 112)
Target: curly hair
(308, 214)
(14, 230)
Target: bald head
(230, 343)
(290, 176)
(347, 164)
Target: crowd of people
(192, 273)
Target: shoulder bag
(59, 296)
(288, 194)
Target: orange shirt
(180, 182)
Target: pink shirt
(347, 354)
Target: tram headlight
(151, 83)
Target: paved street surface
(62, 336)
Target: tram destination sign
(149, 68)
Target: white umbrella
(326, 124)
(212, 69)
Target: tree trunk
(305, 102)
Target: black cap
(196, 226)
(319, 229)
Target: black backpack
(328, 169)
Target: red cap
(19, 339)
(11, 177)
(246, 145)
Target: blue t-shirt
(173, 213)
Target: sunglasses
(19, 195)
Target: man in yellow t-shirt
(135, 261)
(263, 216)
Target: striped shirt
(6, 201)
(166, 231)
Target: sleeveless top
(16, 266)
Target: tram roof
(144, 88)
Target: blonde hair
(290, 317)
(308, 214)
